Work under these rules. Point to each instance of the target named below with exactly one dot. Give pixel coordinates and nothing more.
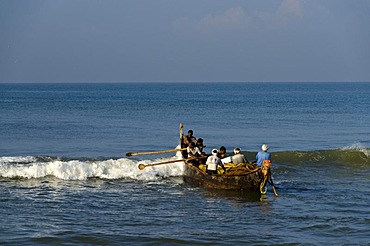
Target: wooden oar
(142, 166)
(154, 152)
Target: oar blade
(129, 154)
(141, 166)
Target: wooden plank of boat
(246, 180)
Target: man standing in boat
(189, 138)
(213, 162)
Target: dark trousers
(212, 172)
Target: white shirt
(193, 151)
(213, 162)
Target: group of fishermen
(197, 156)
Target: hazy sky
(184, 40)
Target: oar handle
(153, 152)
(142, 166)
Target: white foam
(82, 170)
(359, 147)
(17, 159)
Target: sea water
(65, 178)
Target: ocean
(65, 178)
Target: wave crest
(34, 167)
(357, 157)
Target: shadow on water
(233, 195)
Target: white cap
(236, 150)
(265, 147)
(214, 152)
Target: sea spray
(32, 167)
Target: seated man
(222, 152)
(200, 144)
(238, 157)
(213, 162)
(194, 153)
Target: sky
(184, 40)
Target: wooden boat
(245, 177)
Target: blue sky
(176, 40)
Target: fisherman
(264, 161)
(213, 162)
(189, 138)
(200, 144)
(238, 157)
(194, 153)
(222, 152)
(263, 155)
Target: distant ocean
(65, 179)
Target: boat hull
(196, 176)
(248, 180)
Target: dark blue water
(65, 179)
(104, 120)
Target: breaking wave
(29, 167)
(354, 155)
(81, 169)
